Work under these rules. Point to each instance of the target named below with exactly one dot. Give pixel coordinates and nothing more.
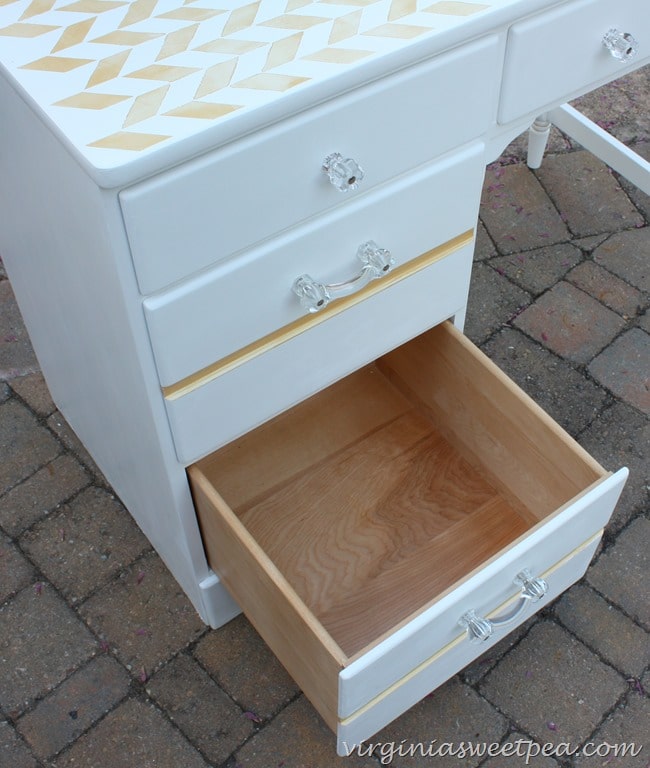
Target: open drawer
(358, 529)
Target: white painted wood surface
(69, 266)
(559, 54)
(137, 88)
(199, 214)
(450, 659)
(204, 420)
(243, 299)
(538, 134)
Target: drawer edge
(299, 641)
(286, 333)
(575, 523)
(457, 654)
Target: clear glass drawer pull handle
(480, 629)
(344, 173)
(315, 296)
(621, 45)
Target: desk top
(120, 81)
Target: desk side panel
(62, 241)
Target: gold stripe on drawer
(462, 637)
(302, 324)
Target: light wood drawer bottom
(357, 528)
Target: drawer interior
(375, 496)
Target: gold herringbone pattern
(149, 63)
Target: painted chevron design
(123, 77)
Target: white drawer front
(493, 585)
(452, 658)
(269, 383)
(560, 54)
(194, 216)
(240, 302)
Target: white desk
(162, 189)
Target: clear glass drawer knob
(314, 296)
(621, 45)
(344, 173)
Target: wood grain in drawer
(559, 54)
(191, 217)
(382, 509)
(243, 300)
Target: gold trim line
(463, 636)
(302, 324)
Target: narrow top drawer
(559, 54)
(198, 214)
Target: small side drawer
(191, 217)
(219, 312)
(358, 528)
(559, 54)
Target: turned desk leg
(538, 134)
(594, 139)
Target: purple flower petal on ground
(636, 684)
